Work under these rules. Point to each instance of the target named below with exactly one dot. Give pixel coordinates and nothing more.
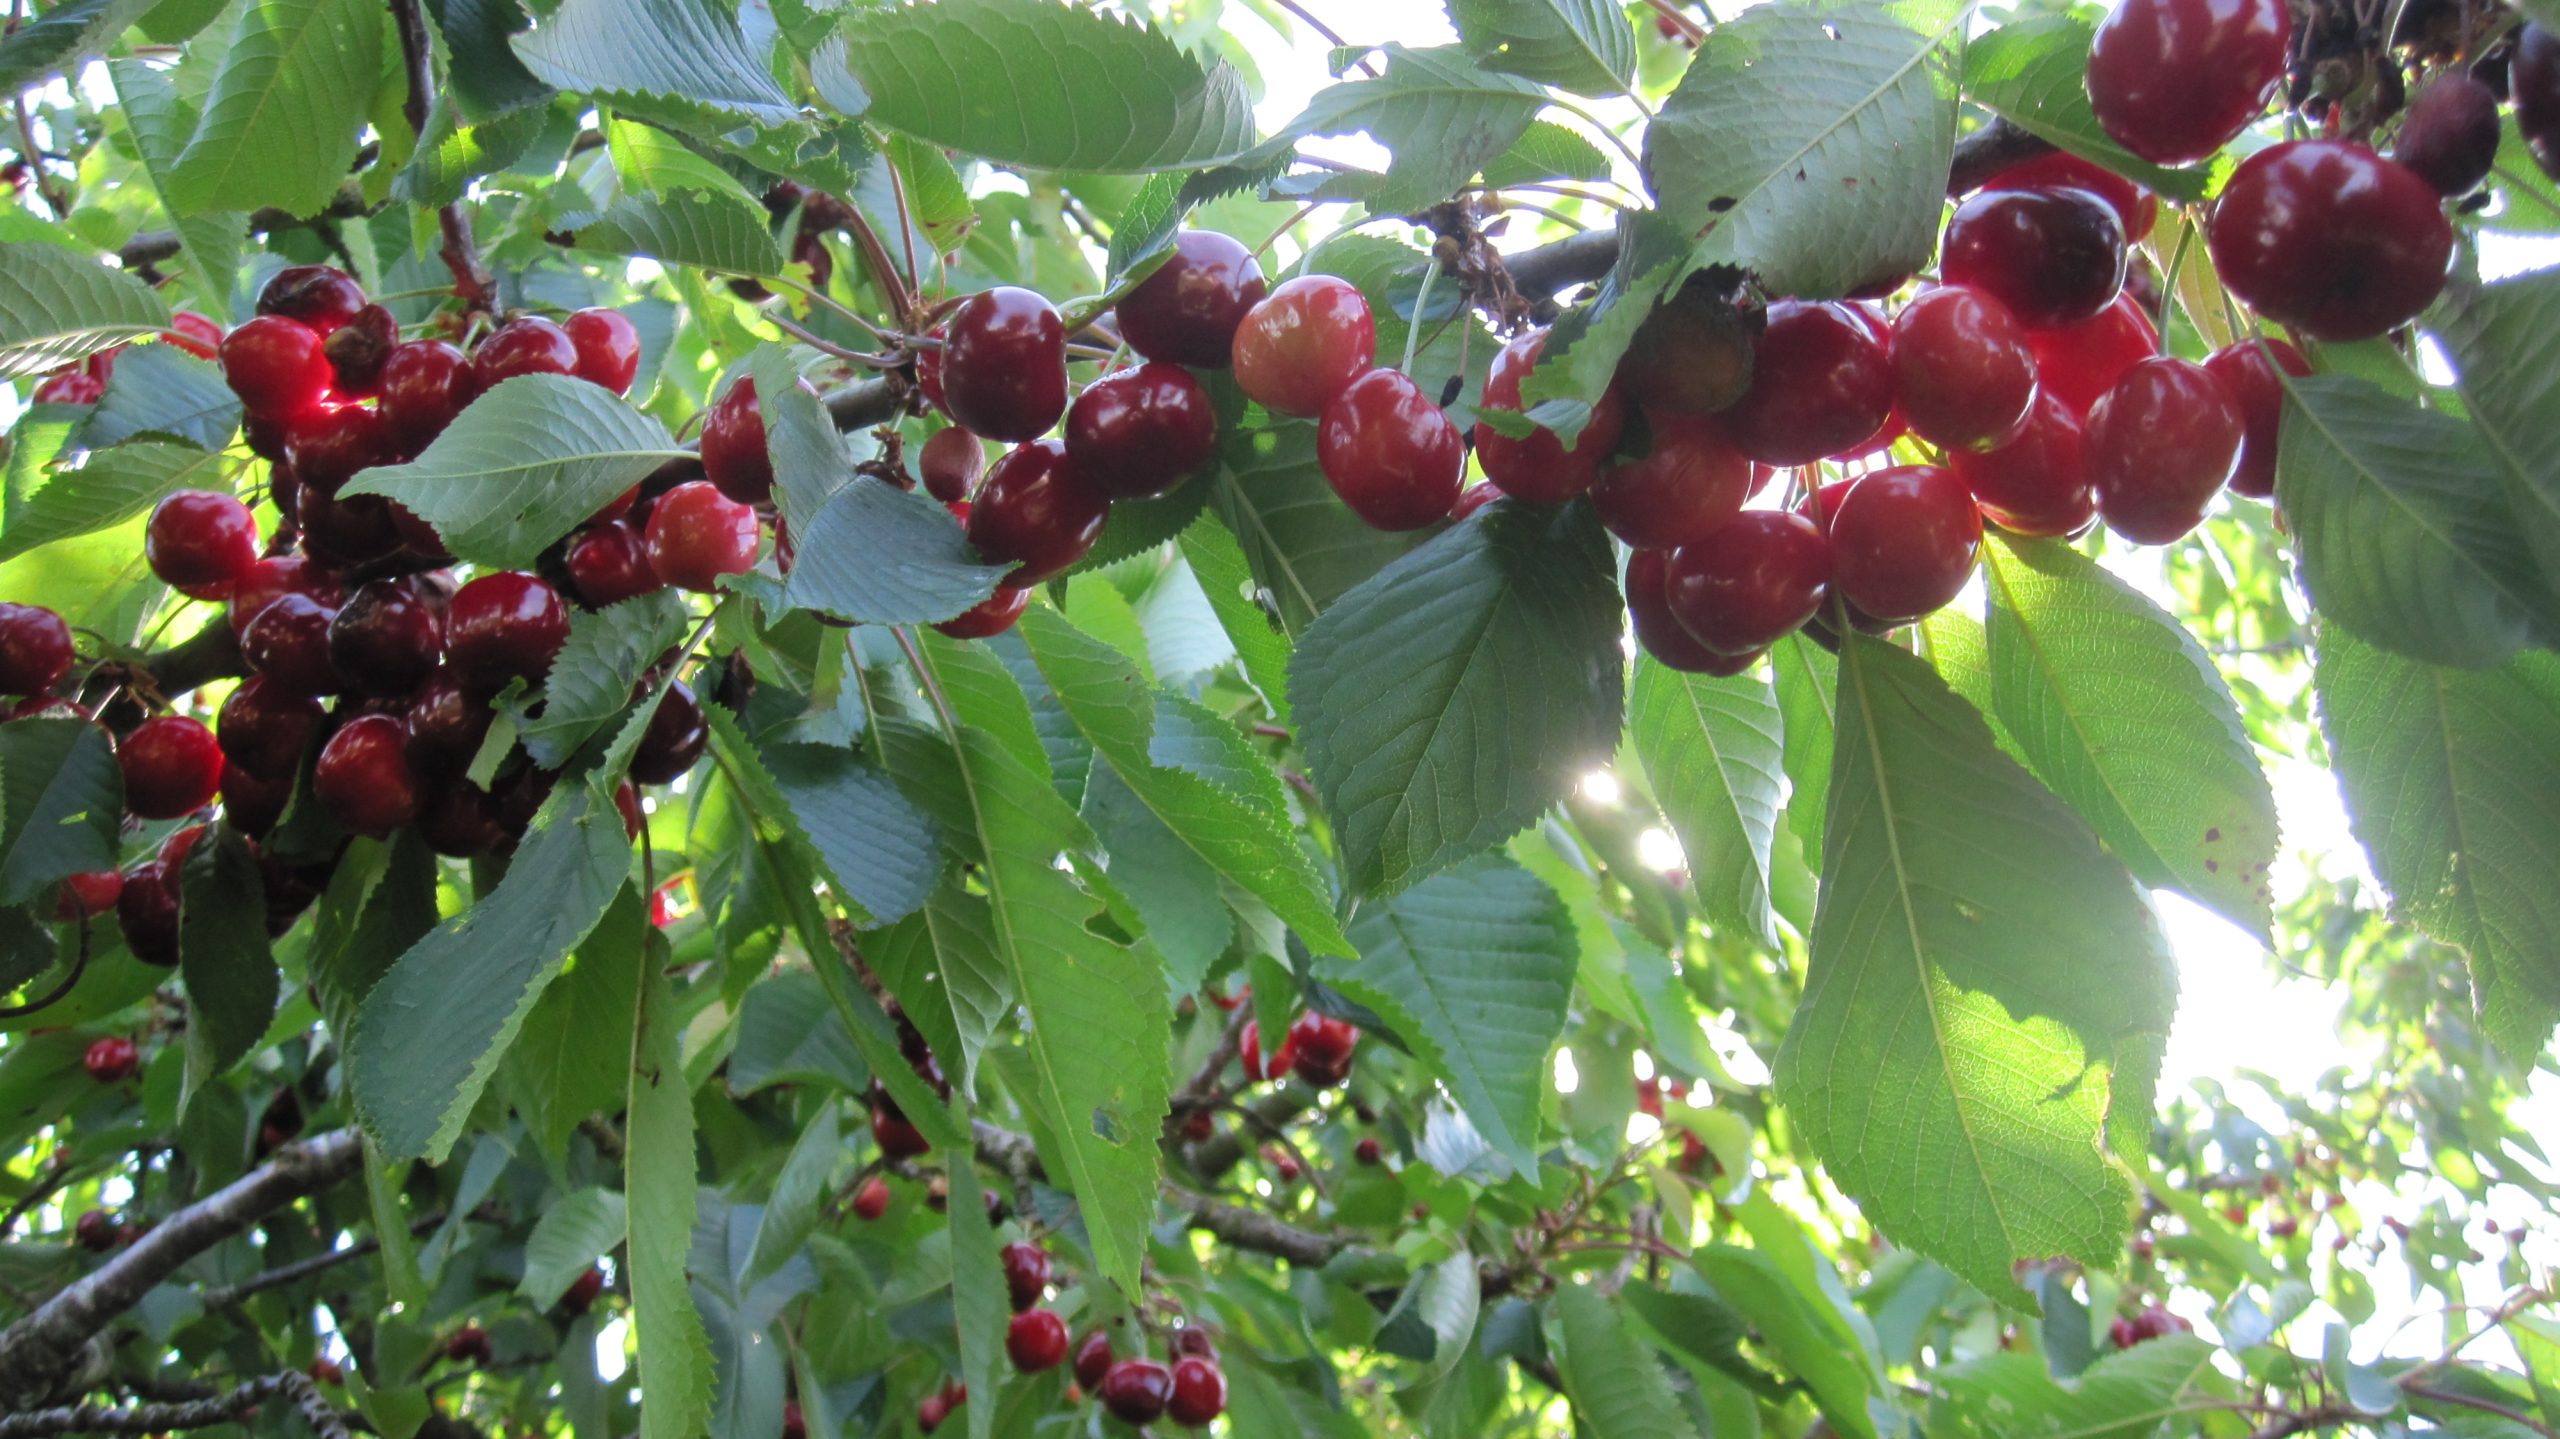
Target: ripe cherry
(363, 777)
(171, 767)
(276, 367)
(2137, 207)
(448, 719)
(2035, 484)
(1821, 385)
(2533, 81)
(147, 913)
(1540, 469)
(1903, 542)
(274, 577)
(461, 820)
(1750, 583)
(608, 564)
(1026, 1274)
(1136, 1391)
(2159, 447)
(1323, 1047)
(674, 739)
(72, 387)
(1036, 1339)
(1472, 499)
(2174, 80)
(2449, 134)
(265, 726)
(872, 1199)
(1659, 631)
(608, 347)
(1038, 511)
(1303, 344)
(2078, 363)
(1093, 1359)
(385, 639)
(1199, 1391)
(2054, 257)
(94, 1230)
(1391, 454)
(35, 649)
(2249, 378)
(696, 534)
(1688, 483)
(2330, 239)
(1004, 366)
(525, 345)
(991, 616)
(1191, 1339)
(583, 1291)
(289, 643)
(734, 455)
(83, 896)
(1962, 372)
(504, 625)
(320, 297)
(951, 461)
(468, 1345)
(425, 383)
(1368, 1151)
(1186, 313)
(349, 532)
(194, 334)
(113, 1058)
(1139, 432)
(327, 446)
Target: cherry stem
(461, 253)
(1421, 298)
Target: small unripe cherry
(1303, 344)
(696, 534)
(1904, 541)
(171, 765)
(950, 463)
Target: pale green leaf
(62, 39)
(1712, 753)
(685, 55)
(1807, 677)
(1584, 45)
(1547, 151)
(162, 121)
(708, 230)
(1302, 547)
(281, 124)
(1442, 117)
(58, 305)
(1617, 1385)
(161, 392)
(2126, 1394)
(1244, 610)
(659, 1178)
(572, 1059)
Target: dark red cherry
(289, 643)
(696, 534)
(2035, 484)
(1199, 1389)
(363, 777)
(2533, 81)
(1903, 542)
(1093, 1359)
(1821, 385)
(1191, 1339)
(2329, 239)
(951, 461)
(385, 640)
(1004, 367)
(525, 345)
(2137, 207)
(1139, 432)
(1750, 583)
(1036, 1340)
(1688, 483)
(195, 334)
(674, 739)
(254, 803)
(1136, 1391)
(1541, 469)
(1026, 1277)
(1186, 313)
(1303, 344)
(2175, 80)
(461, 819)
(2159, 447)
(608, 564)
(991, 616)
(1962, 371)
(872, 1199)
(447, 721)
(1391, 454)
(35, 649)
(2078, 363)
(896, 1135)
(276, 367)
(2054, 257)
(357, 352)
(734, 454)
(327, 446)
(608, 347)
(172, 766)
(276, 576)
(265, 726)
(425, 383)
(1473, 498)
(1037, 512)
(502, 626)
(147, 913)
(2449, 134)
(351, 531)
(1321, 1049)
(320, 297)
(1659, 631)
(2247, 376)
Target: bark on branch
(461, 253)
(220, 1409)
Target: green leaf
(2501, 337)
(572, 1233)
(872, 838)
(707, 230)
(572, 1059)
(659, 1178)
(58, 305)
(62, 39)
(787, 1033)
(877, 554)
(161, 392)
(1449, 699)
(450, 158)
(1617, 1385)
(2015, 982)
(1046, 87)
(1807, 679)
(791, 1212)
(1440, 1306)
(2123, 715)
(1443, 118)
(111, 488)
(1712, 754)
(2447, 776)
(1584, 45)
(1261, 643)
(434, 1029)
(222, 954)
(484, 77)
(2125, 1395)
(652, 161)
(162, 121)
(2030, 72)
(1303, 548)
(591, 680)
(527, 463)
(1473, 969)
(381, 899)
(653, 56)
(61, 801)
(1547, 151)
(281, 124)
(2403, 532)
(942, 965)
(1799, 1328)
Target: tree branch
(223, 1408)
(300, 1269)
(1241, 1228)
(461, 253)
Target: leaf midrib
(1714, 746)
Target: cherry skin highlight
(2249, 377)
(1036, 1339)
(1903, 542)
(2078, 363)
(276, 367)
(1303, 344)
(172, 766)
(2137, 207)
(988, 617)
(1026, 1273)
(425, 383)
(1659, 631)
(2036, 483)
(1037, 512)
(734, 454)
(608, 347)
(696, 534)
(2054, 257)
(328, 446)
(2175, 80)
(113, 1058)
(1821, 385)
(1962, 371)
(2329, 239)
(289, 643)
(1199, 1391)
(1136, 1391)
(608, 564)
(1139, 432)
(1393, 456)
(525, 345)
(319, 297)
(1004, 367)
(1690, 482)
(2159, 447)
(1186, 313)
(35, 649)
(363, 777)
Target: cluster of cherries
(1192, 1390)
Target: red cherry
(1037, 511)
(1199, 1389)
(2054, 257)
(363, 777)
(468, 1345)
(276, 367)
(608, 564)
(289, 643)
(1093, 1359)
(1187, 312)
(734, 455)
(1751, 582)
(1903, 542)
(2137, 207)
(385, 639)
(608, 347)
(113, 1058)
(2330, 239)
(1036, 1340)
(1691, 481)
(265, 726)
(70, 388)
(504, 625)
(1303, 344)
(951, 461)
(1191, 1339)
(85, 895)
(525, 345)
(2533, 79)
(425, 383)
(2035, 484)
(696, 534)
(2175, 80)
(1136, 1391)
(171, 767)
(1323, 1050)
(254, 804)
(2449, 134)
(358, 351)
(1391, 454)
(350, 532)
(1821, 385)
(872, 1199)
(896, 1135)
(194, 334)
(1026, 1276)
(35, 649)
(2078, 363)
(448, 719)
(1962, 372)
(931, 1410)
(1539, 469)
(147, 913)
(94, 1230)
(674, 739)
(988, 617)
(1367, 1151)
(1139, 432)
(1004, 367)
(273, 578)
(2159, 447)
(1659, 631)
(320, 297)
(2247, 376)
(1472, 499)
(327, 446)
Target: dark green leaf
(1712, 755)
(58, 305)
(872, 838)
(281, 124)
(877, 554)
(592, 679)
(108, 489)
(2030, 72)
(222, 954)
(2125, 1395)
(572, 1233)
(1244, 610)
(1585, 45)
(682, 55)
(1303, 547)
(1798, 1327)
(61, 801)
(2500, 337)
(161, 392)
(62, 39)
(659, 1175)
(708, 230)
(162, 121)
(573, 1056)
(787, 1033)
(485, 77)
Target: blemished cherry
(2248, 377)
(1393, 456)
(2533, 83)
(2449, 134)
(1903, 541)
(35, 649)
(276, 367)
(1093, 1359)
(289, 643)
(195, 334)
(1026, 1276)
(265, 726)
(2054, 257)
(734, 453)
(276, 576)
(113, 1058)
(502, 626)
(363, 778)
(2035, 484)
(425, 383)
(1821, 385)
(1750, 583)
(1541, 469)
(1036, 511)
(327, 446)
(950, 463)
(2175, 80)
(525, 345)
(1691, 356)
(171, 767)
(1139, 432)
(988, 617)
(1136, 1391)
(608, 564)
(385, 639)
(320, 297)
(2330, 239)
(72, 387)
(358, 350)
(872, 1199)
(1199, 1391)
(1659, 631)
(2137, 207)
(1004, 365)
(608, 347)
(2078, 363)
(1303, 344)
(696, 534)
(147, 913)
(83, 896)
(1691, 481)
(674, 739)
(1962, 371)
(2159, 447)
(1186, 313)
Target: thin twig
(460, 252)
(220, 1409)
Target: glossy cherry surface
(171, 765)
(2174, 80)
(289, 643)
(2035, 484)
(2159, 447)
(1093, 1359)
(276, 367)
(872, 1199)
(734, 454)
(1186, 313)
(1962, 371)
(1199, 1390)
(1821, 385)
(1393, 456)
(265, 725)
(357, 352)
(328, 445)
(2054, 257)
(991, 616)
(35, 649)
(608, 564)
(2533, 83)
(2449, 134)
(1036, 1339)
(447, 721)
(114, 1057)
(350, 531)
(425, 383)
(1139, 432)
(1688, 483)
(2330, 239)
(1036, 512)
(1026, 1273)
(320, 297)
(363, 777)
(2248, 376)
(1749, 583)
(2137, 207)
(1136, 1391)
(1541, 469)
(1303, 344)
(2078, 363)
(608, 347)
(1004, 365)
(195, 334)
(674, 739)
(147, 913)
(504, 625)
(276, 576)
(696, 534)
(525, 345)
(385, 639)
(1903, 541)
(1660, 632)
